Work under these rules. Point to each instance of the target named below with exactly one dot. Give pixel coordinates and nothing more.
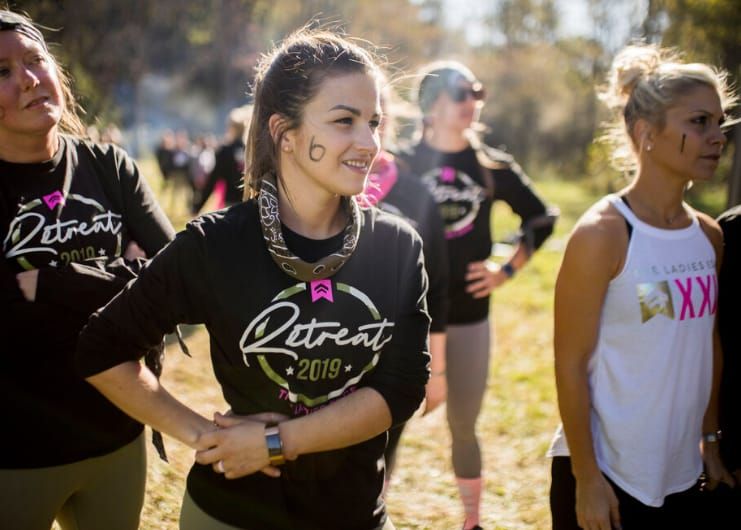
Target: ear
(643, 134)
(278, 132)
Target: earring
(649, 147)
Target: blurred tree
(527, 21)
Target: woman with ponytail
(315, 310)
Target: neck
(27, 149)
(315, 219)
(658, 200)
(446, 140)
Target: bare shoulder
(711, 228)
(599, 239)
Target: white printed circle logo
(458, 197)
(37, 232)
(315, 360)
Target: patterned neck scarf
(289, 263)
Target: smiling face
(331, 151)
(690, 143)
(31, 100)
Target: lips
(36, 102)
(357, 165)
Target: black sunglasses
(459, 93)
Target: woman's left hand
(436, 391)
(27, 283)
(484, 277)
(714, 468)
(238, 447)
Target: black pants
(692, 509)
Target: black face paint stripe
(314, 148)
(681, 148)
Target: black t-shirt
(229, 167)
(286, 346)
(459, 185)
(411, 200)
(728, 296)
(71, 218)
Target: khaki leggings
(92, 494)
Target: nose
(28, 79)
(368, 140)
(718, 136)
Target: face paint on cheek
(681, 147)
(316, 151)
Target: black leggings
(690, 509)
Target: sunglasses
(459, 93)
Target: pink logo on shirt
(53, 199)
(321, 289)
(708, 287)
(447, 174)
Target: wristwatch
(508, 269)
(275, 445)
(712, 437)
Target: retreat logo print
(300, 344)
(458, 196)
(37, 236)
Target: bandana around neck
(295, 267)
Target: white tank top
(651, 371)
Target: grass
(517, 421)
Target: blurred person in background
(228, 166)
(392, 188)
(466, 177)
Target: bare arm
(436, 389)
(591, 260)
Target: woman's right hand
(238, 448)
(596, 505)
(27, 283)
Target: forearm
(135, 390)
(574, 404)
(437, 354)
(519, 257)
(348, 421)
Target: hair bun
(633, 64)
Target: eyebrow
(352, 110)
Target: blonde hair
(644, 81)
